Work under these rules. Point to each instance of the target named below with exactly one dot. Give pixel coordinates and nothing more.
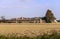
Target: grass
(30, 31)
(53, 35)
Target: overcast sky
(28, 8)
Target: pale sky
(28, 8)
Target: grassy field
(25, 28)
(30, 31)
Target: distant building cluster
(23, 20)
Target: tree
(49, 16)
(3, 19)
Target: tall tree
(49, 16)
